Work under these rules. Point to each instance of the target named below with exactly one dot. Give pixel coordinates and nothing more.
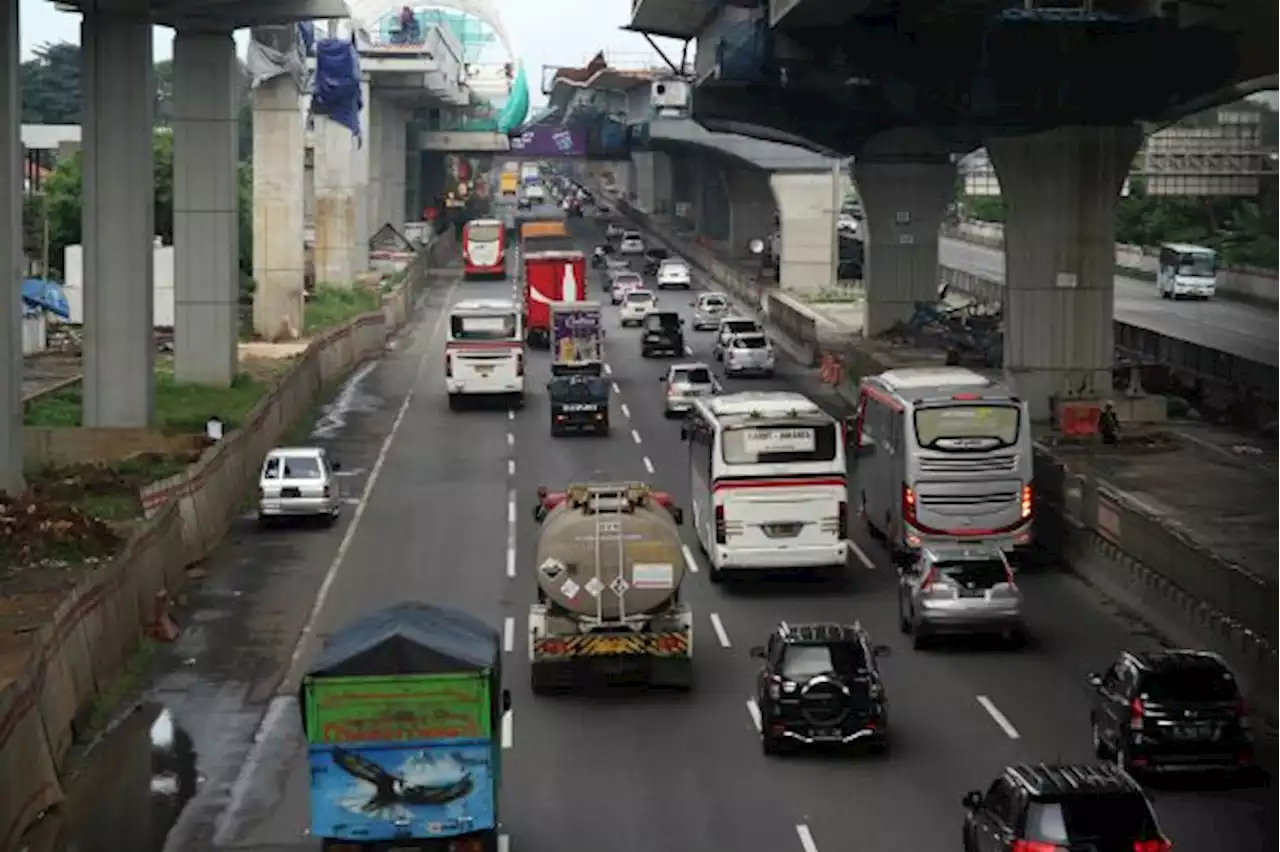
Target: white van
(1187, 270)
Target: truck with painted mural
(402, 713)
(548, 277)
(577, 338)
(609, 564)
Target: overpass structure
(908, 88)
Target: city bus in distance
(944, 456)
(484, 353)
(1187, 270)
(484, 249)
(767, 477)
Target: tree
(51, 92)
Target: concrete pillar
(375, 140)
(393, 169)
(336, 217)
(685, 190)
(642, 168)
(279, 138)
(10, 254)
(714, 217)
(1060, 190)
(662, 184)
(363, 154)
(751, 208)
(808, 208)
(206, 216)
(118, 217)
(414, 199)
(904, 202)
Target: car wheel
(770, 745)
(904, 624)
(919, 638)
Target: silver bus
(1187, 270)
(944, 455)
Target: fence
(67, 663)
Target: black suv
(579, 403)
(653, 259)
(1170, 710)
(1093, 806)
(662, 334)
(820, 686)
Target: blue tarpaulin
(307, 34)
(337, 93)
(46, 295)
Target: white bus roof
(1188, 248)
(483, 305)
(917, 378)
(485, 222)
(748, 404)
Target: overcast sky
(545, 32)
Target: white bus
(944, 456)
(767, 478)
(484, 355)
(1187, 270)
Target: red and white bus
(484, 249)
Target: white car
(624, 283)
(674, 272)
(635, 305)
(731, 327)
(749, 353)
(631, 244)
(298, 482)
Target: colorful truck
(577, 338)
(549, 277)
(400, 713)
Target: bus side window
(895, 430)
(700, 440)
(866, 415)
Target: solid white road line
(994, 712)
(648, 465)
(806, 838)
(508, 729)
(754, 710)
(508, 634)
(626, 412)
(718, 626)
(635, 436)
(862, 555)
(690, 561)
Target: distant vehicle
(613, 266)
(663, 334)
(579, 403)
(1187, 270)
(653, 259)
(624, 283)
(613, 231)
(708, 309)
(729, 328)
(535, 194)
(635, 305)
(945, 456)
(684, 383)
(484, 249)
(631, 244)
(749, 353)
(674, 272)
(299, 482)
(599, 254)
(545, 235)
(847, 223)
(484, 354)
(509, 183)
(577, 338)
(960, 590)
(549, 277)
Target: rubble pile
(35, 530)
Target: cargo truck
(549, 277)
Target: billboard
(542, 141)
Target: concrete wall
(163, 272)
(34, 331)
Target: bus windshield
(967, 427)
(477, 327)
(488, 232)
(779, 444)
(1197, 265)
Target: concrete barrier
(51, 445)
(55, 672)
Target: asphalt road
(1244, 330)
(444, 495)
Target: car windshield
(713, 303)
(488, 232)
(1190, 684)
(627, 280)
(750, 341)
(578, 389)
(801, 662)
(631, 235)
(692, 376)
(662, 322)
(658, 253)
(1198, 265)
(739, 326)
(638, 296)
(676, 266)
(292, 467)
(967, 426)
(973, 573)
(1121, 817)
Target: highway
(443, 515)
(1244, 330)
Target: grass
(331, 306)
(130, 682)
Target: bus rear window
(487, 233)
(496, 327)
(779, 444)
(967, 427)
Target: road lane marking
(511, 414)
(690, 561)
(754, 710)
(626, 412)
(688, 350)
(511, 533)
(511, 560)
(1000, 719)
(862, 555)
(504, 843)
(806, 838)
(508, 729)
(721, 634)
(616, 389)
(648, 465)
(635, 436)
(511, 467)
(511, 439)
(608, 371)
(508, 634)
(511, 508)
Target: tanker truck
(609, 565)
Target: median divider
(50, 677)
(1143, 561)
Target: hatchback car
(684, 383)
(730, 327)
(632, 244)
(1170, 710)
(959, 590)
(674, 272)
(298, 482)
(749, 354)
(624, 283)
(635, 304)
(708, 310)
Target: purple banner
(545, 141)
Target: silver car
(684, 383)
(959, 589)
(750, 353)
(298, 482)
(708, 309)
(729, 328)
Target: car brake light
(448, 366)
(1159, 844)
(908, 504)
(842, 528)
(1026, 502)
(328, 492)
(721, 530)
(1136, 711)
(519, 364)
(1034, 846)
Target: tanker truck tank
(609, 563)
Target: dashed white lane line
(508, 729)
(806, 838)
(508, 634)
(511, 533)
(511, 439)
(722, 635)
(608, 371)
(511, 508)
(626, 412)
(511, 467)
(504, 843)
(635, 436)
(616, 389)
(511, 414)
(753, 709)
(648, 465)
(1000, 719)
(862, 555)
(511, 560)
(690, 561)
(688, 350)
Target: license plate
(290, 492)
(608, 646)
(484, 371)
(782, 530)
(1194, 732)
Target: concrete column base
(11, 364)
(336, 215)
(752, 208)
(808, 208)
(119, 220)
(662, 184)
(279, 266)
(1060, 190)
(904, 203)
(206, 216)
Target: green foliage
(331, 305)
(50, 85)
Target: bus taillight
(908, 504)
(519, 364)
(1026, 502)
(448, 366)
(843, 523)
(721, 527)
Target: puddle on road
(351, 399)
(127, 790)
